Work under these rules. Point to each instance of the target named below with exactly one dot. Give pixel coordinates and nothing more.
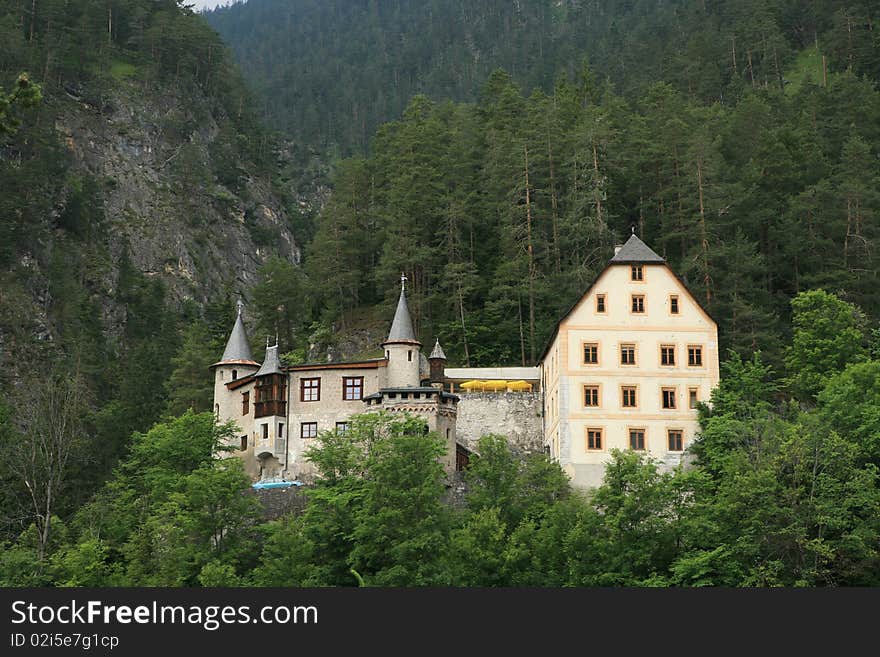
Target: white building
(626, 367)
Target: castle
(624, 368)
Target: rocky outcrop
(152, 155)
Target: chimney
(617, 248)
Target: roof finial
(240, 305)
(267, 342)
(633, 227)
(276, 336)
(403, 280)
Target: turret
(402, 349)
(237, 362)
(437, 362)
(270, 414)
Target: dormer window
(637, 273)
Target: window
(409, 355)
(310, 390)
(673, 304)
(265, 432)
(695, 355)
(352, 387)
(600, 303)
(234, 375)
(638, 303)
(591, 353)
(280, 430)
(627, 354)
(667, 355)
(628, 396)
(675, 440)
(637, 439)
(591, 395)
(342, 427)
(668, 395)
(638, 273)
(243, 443)
(594, 438)
(308, 429)
(693, 397)
(245, 403)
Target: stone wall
(278, 502)
(516, 415)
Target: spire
(635, 251)
(238, 349)
(438, 351)
(272, 363)
(401, 327)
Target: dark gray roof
(438, 351)
(635, 251)
(271, 364)
(237, 347)
(401, 327)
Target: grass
(122, 70)
(806, 69)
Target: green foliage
(502, 212)
(850, 402)
(281, 303)
(24, 94)
(190, 385)
(516, 488)
(288, 555)
(828, 335)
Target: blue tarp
(276, 484)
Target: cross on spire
(403, 280)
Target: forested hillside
(740, 140)
(329, 71)
(136, 198)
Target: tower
(270, 415)
(402, 349)
(237, 362)
(437, 362)
(403, 392)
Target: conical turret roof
(437, 352)
(401, 327)
(238, 348)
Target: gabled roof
(401, 327)
(635, 251)
(238, 348)
(271, 364)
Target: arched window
(234, 374)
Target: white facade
(626, 374)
